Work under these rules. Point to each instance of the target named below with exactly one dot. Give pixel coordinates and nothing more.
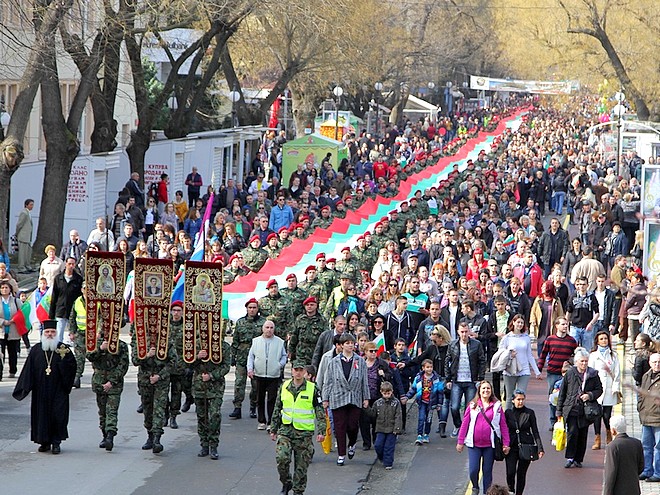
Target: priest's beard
(48, 344)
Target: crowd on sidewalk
(459, 279)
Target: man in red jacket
(530, 274)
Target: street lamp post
(449, 97)
(618, 109)
(234, 96)
(337, 91)
(378, 87)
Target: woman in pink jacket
(478, 435)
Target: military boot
(110, 441)
(149, 444)
(204, 452)
(158, 447)
(253, 412)
(236, 413)
(102, 444)
(173, 424)
(286, 488)
(185, 407)
(214, 453)
(140, 409)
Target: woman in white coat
(606, 361)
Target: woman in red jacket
(476, 264)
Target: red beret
(384, 219)
(361, 238)
(404, 203)
(270, 283)
(177, 304)
(291, 276)
(394, 211)
(326, 207)
(218, 258)
(310, 299)
(254, 238)
(303, 218)
(340, 202)
(359, 189)
(253, 300)
(282, 229)
(345, 248)
(331, 260)
(320, 256)
(413, 199)
(367, 233)
(232, 258)
(300, 226)
(271, 236)
(310, 268)
(378, 224)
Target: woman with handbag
(579, 390)
(606, 362)
(485, 432)
(526, 445)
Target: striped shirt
(558, 350)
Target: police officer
(108, 384)
(153, 386)
(306, 331)
(78, 333)
(298, 412)
(208, 391)
(246, 328)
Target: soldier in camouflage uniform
(78, 333)
(293, 428)
(379, 239)
(254, 255)
(313, 286)
(323, 221)
(273, 247)
(295, 294)
(108, 384)
(325, 275)
(397, 223)
(283, 235)
(349, 266)
(405, 215)
(336, 296)
(340, 212)
(234, 269)
(306, 331)
(180, 374)
(348, 203)
(388, 232)
(208, 390)
(153, 385)
(246, 328)
(277, 308)
(363, 256)
(420, 206)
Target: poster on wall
(651, 262)
(651, 191)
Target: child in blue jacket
(426, 388)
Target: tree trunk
(62, 149)
(629, 87)
(137, 149)
(46, 20)
(303, 108)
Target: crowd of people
(483, 273)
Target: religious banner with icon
(105, 277)
(651, 264)
(202, 312)
(650, 191)
(153, 280)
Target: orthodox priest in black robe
(48, 373)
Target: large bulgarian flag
(31, 313)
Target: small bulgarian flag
(412, 348)
(32, 313)
(380, 344)
(508, 242)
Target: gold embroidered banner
(153, 283)
(105, 277)
(202, 313)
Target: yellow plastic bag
(559, 435)
(327, 441)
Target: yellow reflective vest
(81, 314)
(299, 410)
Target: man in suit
(624, 461)
(24, 230)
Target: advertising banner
(521, 86)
